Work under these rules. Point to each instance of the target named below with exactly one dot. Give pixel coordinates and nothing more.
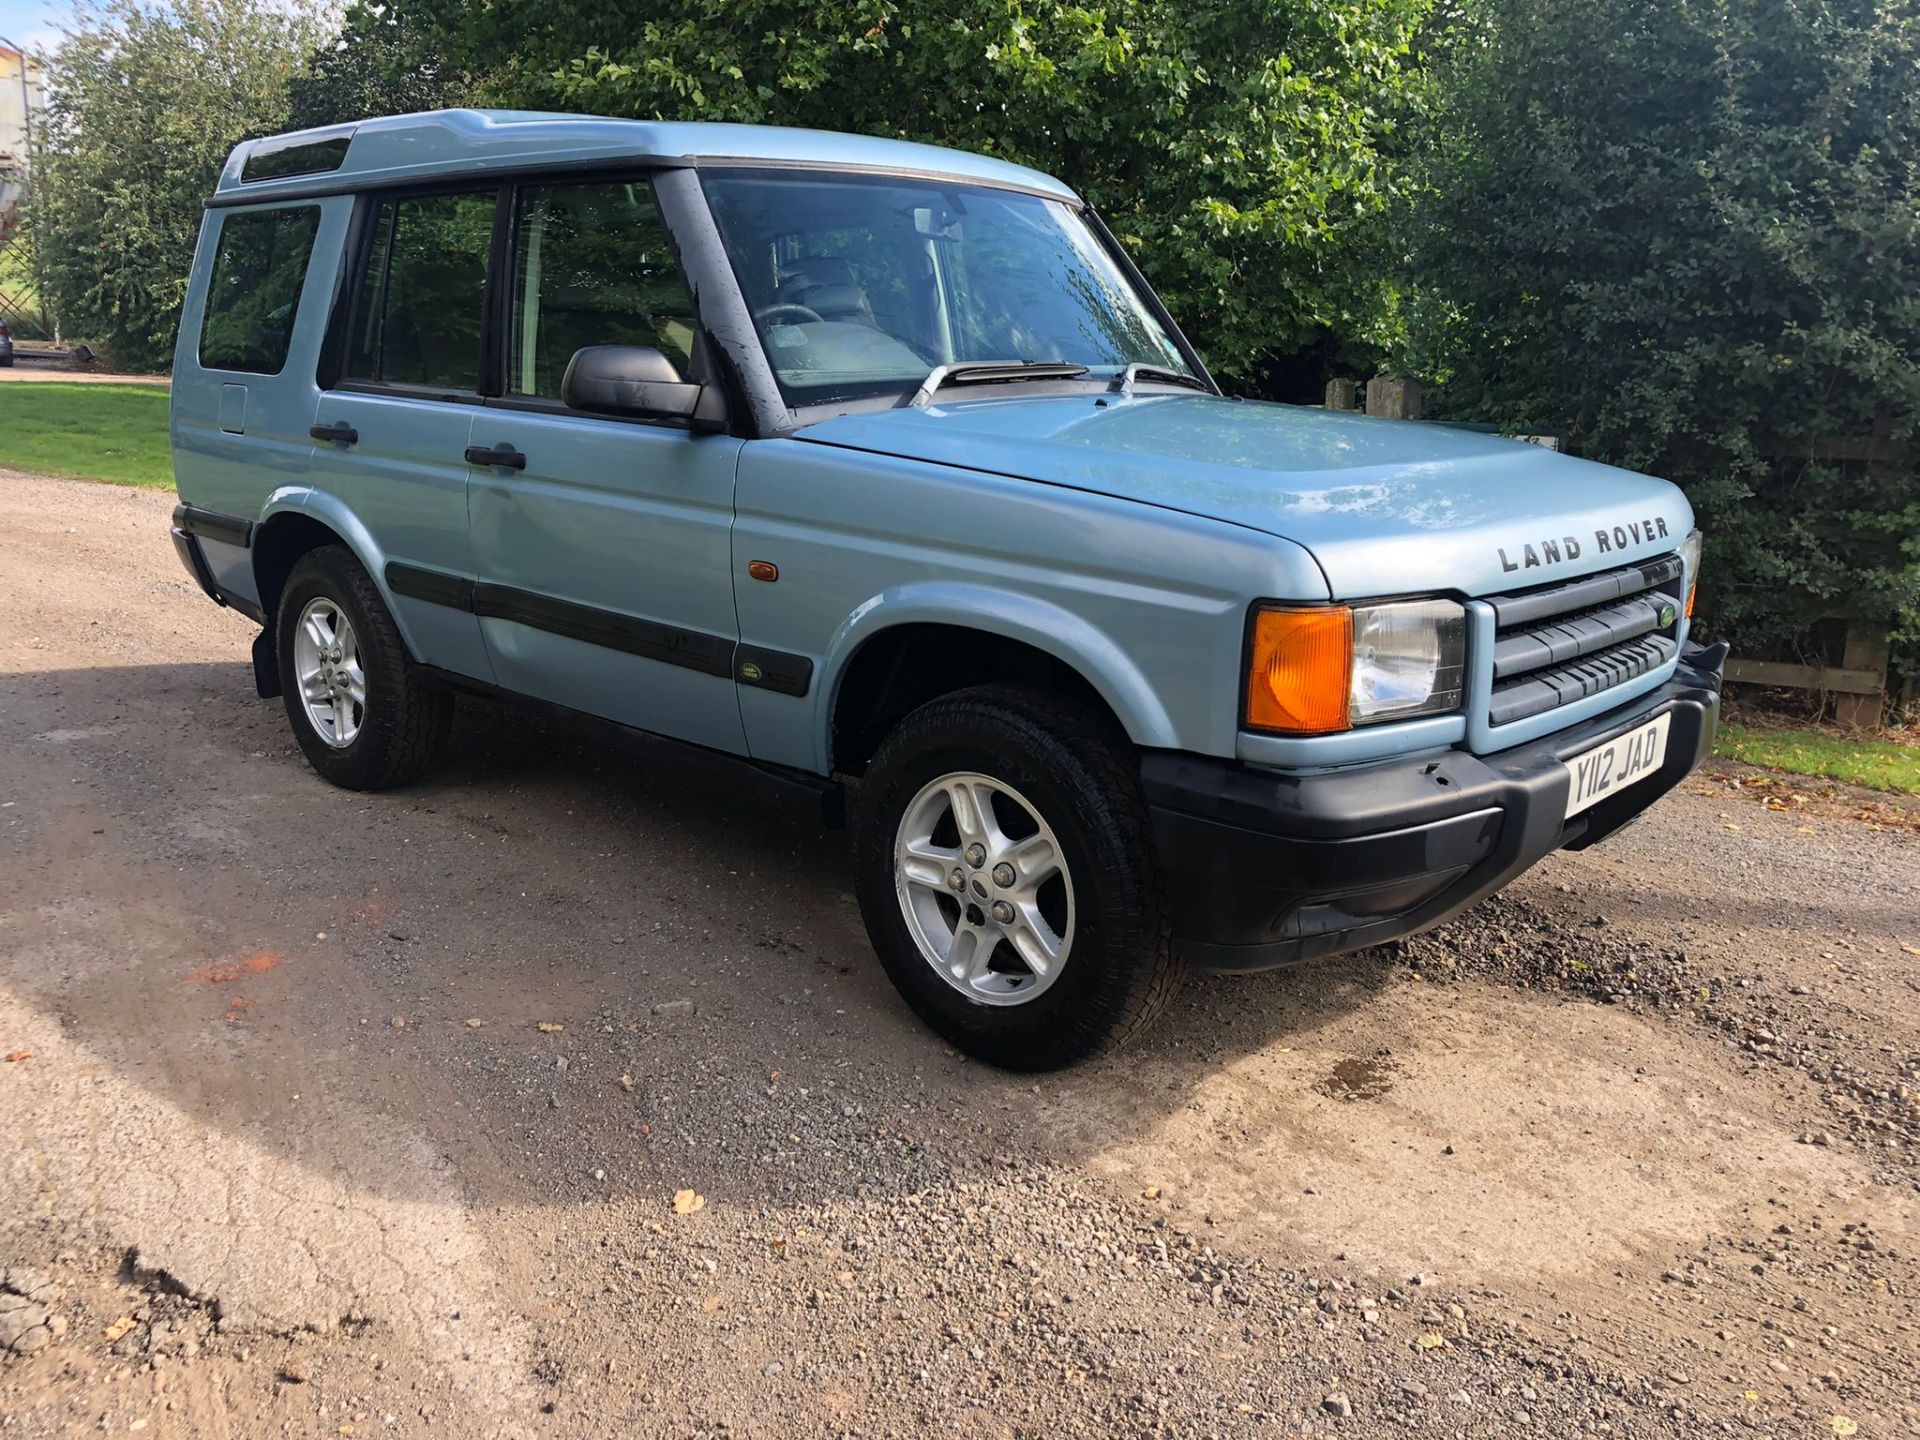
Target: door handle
(335, 434)
(496, 455)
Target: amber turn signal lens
(1299, 670)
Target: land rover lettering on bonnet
(881, 467)
(1531, 556)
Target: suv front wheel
(1005, 871)
(364, 719)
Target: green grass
(1875, 764)
(116, 433)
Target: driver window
(592, 265)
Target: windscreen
(862, 284)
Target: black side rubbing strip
(772, 669)
(716, 655)
(709, 654)
(436, 587)
(212, 525)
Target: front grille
(1563, 643)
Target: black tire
(406, 719)
(1081, 775)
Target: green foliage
(1244, 149)
(144, 106)
(383, 63)
(89, 431)
(1690, 232)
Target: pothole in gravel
(1357, 1079)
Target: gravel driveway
(561, 1096)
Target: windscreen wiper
(988, 372)
(1137, 371)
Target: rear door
(604, 560)
(393, 426)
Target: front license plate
(1620, 762)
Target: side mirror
(627, 380)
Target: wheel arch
(297, 520)
(905, 648)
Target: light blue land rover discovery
(881, 465)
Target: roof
(443, 142)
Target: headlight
(1323, 668)
(1408, 659)
(1690, 557)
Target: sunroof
(309, 157)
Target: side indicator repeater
(763, 570)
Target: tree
(1690, 232)
(144, 106)
(1244, 149)
(382, 63)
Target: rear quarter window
(253, 296)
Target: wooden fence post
(1395, 396)
(1866, 650)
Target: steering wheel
(787, 308)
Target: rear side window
(592, 265)
(422, 300)
(254, 294)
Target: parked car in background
(881, 466)
(6, 345)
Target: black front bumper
(1266, 869)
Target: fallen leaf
(1750, 1395)
(627, 1083)
(1152, 1192)
(475, 1023)
(547, 1027)
(685, 1202)
(14, 1057)
(1432, 1340)
(119, 1328)
(1844, 1425)
(1911, 949)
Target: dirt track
(298, 1148)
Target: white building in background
(22, 102)
(21, 98)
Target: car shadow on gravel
(635, 955)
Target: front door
(604, 573)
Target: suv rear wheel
(1005, 871)
(363, 717)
